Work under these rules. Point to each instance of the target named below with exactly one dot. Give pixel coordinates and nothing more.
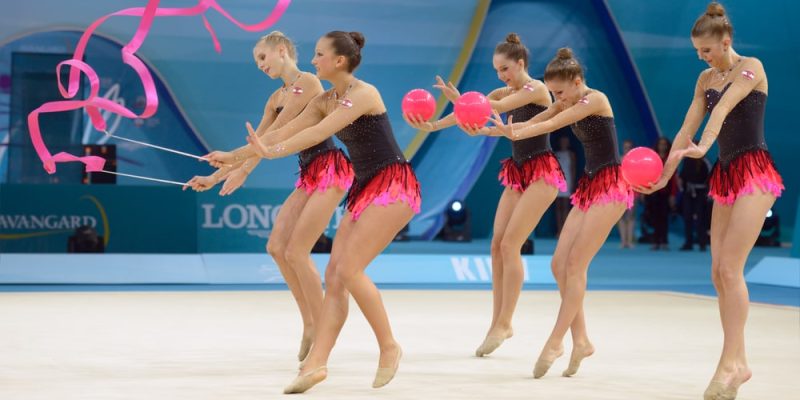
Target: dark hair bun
(358, 37)
(715, 10)
(513, 38)
(564, 53)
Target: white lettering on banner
(253, 217)
(483, 267)
(38, 222)
(238, 216)
(207, 222)
(226, 216)
(260, 214)
(54, 222)
(479, 265)
(461, 268)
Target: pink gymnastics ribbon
(94, 104)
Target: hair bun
(563, 66)
(513, 38)
(715, 9)
(358, 37)
(564, 53)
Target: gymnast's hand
(654, 186)
(234, 181)
(691, 151)
(471, 129)
(500, 128)
(670, 166)
(448, 89)
(417, 122)
(201, 183)
(260, 148)
(219, 159)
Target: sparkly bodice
(599, 138)
(371, 145)
(743, 127)
(525, 149)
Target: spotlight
(457, 225)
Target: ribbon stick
(94, 104)
(144, 178)
(154, 146)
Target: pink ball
(472, 108)
(641, 166)
(419, 102)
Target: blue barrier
(412, 269)
(139, 219)
(796, 240)
(778, 271)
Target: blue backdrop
(208, 96)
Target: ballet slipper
(306, 381)
(578, 354)
(384, 375)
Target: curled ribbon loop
(93, 104)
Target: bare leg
(276, 247)
(505, 207)
(595, 227)
(526, 215)
(559, 268)
(746, 218)
(308, 226)
(375, 229)
(334, 314)
(356, 244)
